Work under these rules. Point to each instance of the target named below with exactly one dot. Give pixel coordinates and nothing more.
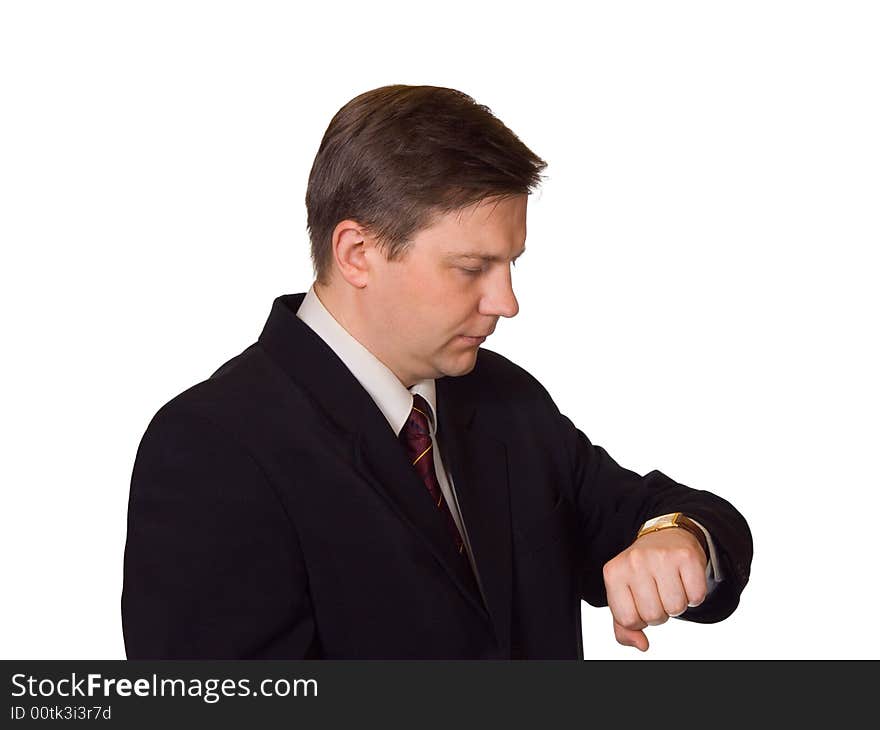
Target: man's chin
(460, 366)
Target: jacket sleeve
(612, 502)
(212, 566)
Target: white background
(699, 293)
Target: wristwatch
(675, 519)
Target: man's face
(450, 287)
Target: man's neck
(343, 308)
(335, 304)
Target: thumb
(628, 637)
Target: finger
(628, 637)
(623, 608)
(647, 600)
(672, 593)
(693, 578)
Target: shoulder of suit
(505, 376)
(238, 390)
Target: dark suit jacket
(274, 514)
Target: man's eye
(474, 272)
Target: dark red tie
(416, 439)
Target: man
(366, 481)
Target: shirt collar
(384, 387)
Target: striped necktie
(416, 439)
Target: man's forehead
(486, 236)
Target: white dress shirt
(395, 401)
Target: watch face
(661, 520)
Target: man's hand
(658, 576)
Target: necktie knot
(418, 425)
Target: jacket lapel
(477, 460)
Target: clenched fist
(658, 576)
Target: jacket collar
(310, 361)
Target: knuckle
(609, 571)
(636, 558)
(684, 555)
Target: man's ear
(350, 243)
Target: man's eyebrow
(480, 255)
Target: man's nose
(500, 300)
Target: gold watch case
(675, 519)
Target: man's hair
(396, 157)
